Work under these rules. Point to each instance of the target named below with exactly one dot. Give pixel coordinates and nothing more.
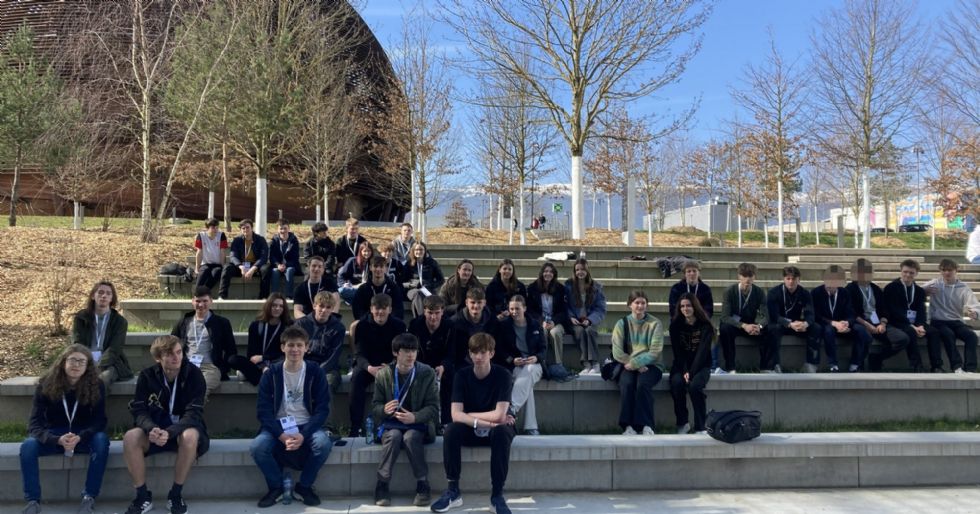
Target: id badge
(196, 360)
(247, 265)
(482, 432)
(174, 419)
(289, 425)
(96, 355)
(737, 318)
(910, 315)
(874, 318)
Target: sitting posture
(950, 299)
(68, 417)
(520, 349)
(637, 345)
(547, 301)
(586, 310)
(691, 334)
(209, 342)
(502, 288)
(326, 333)
(263, 340)
(103, 330)
(283, 260)
(835, 317)
(872, 314)
(422, 278)
(790, 313)
(210, 253)
(905, 303)
(372, 336)
(249, 253)
(744, 314)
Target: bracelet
(475, 420)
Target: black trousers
(458, 435)
(932, 342)
(636, 397)
(359, 383)
(777, 332)
(695, 388)
(727, 337)
(893, 341)
(949, 332)
(252, 372)
(209, 275)
(231, 271)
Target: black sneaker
(141, 505)
(449, 499)
(176, 505)
(423, 494)
(382, 497)
(874, 362)
(307, 494)
(271, 497)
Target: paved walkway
(947, 500)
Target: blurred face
(862, 274)
(832, 282)
(202, 304)
(102, 297)
(744, 282)
(283, 232)
(320, 235)
(909, 274)
(386, 253)
(378, 275)
(246, 230)
(405, 359)
(433, 317)
(352, 231)
(475, 307)
(949, 275)
(791, 282)
(638, 307)
(294, 350)
(547, 274)
(516, 309)
(686, 308)
(316, 270)
(506, 271)
(365, 251)
(170, 361)
(581, 272)
(481, 359)
(418, 252)
(322, 311)
(691, 275)
(277, 307)
(406, 233)
(380, 316)
(75, 365)
(465, 271)
(212, 231)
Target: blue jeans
(31, 449)
(268, 450)
(276, 275)
(347, 294)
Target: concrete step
(562, 463)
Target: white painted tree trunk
(414, 218)
(326, 206)
(866, 190)
(261, 205)
(423, 225)
(520, 223)
(650, 229)
(594, 198)
(510, 226)
(739, 230)
(500, 212)
(766, 233)
(630, 214)
(578, 205)
(816, 224)
(211, 203)
(779, 210)
(608, 211)
(318, 218)
(77, 219)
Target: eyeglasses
(77, 362)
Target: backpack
(178, 270)
(734, 426)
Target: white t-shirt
(292, 402)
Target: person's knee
(262, 444)
(134, 438)
(394, 437)
(188, 439)
(320, 443)
(30, 447)
(413, 438)
(99, 442)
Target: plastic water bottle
(287, 488)
(369, 430)
(581, 253)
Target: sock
(142, 492)
(176, 490)
(454, 485)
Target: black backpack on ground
(734, 426)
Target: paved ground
(865, 501)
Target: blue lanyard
(411, 378)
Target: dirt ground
(47, 269)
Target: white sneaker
(683, 429)
(629, 431)
(597, 369)
(959, 371)
(809, 368)
(702, 432)
(777, 369)
(719, 371)
(647, 431)
(733, 372)
(853, 368)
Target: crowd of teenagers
(462, 364)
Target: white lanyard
(283, 250)
(742, 303)
(71, 417)
(100, 328)
(384, 288)
(695, 287)
(866, 296)
(785, 308)
(832, 304)
(266, 341)
(310, 291)
(199, 336)
(173, 393)
(302, 378)
(909, 301)
(420, 270)
(352, 247)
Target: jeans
(459, 434)
(347, 294)
(860, 342)
(209, 276)
(636, 397)
(777, 332)
(587, 339)
(97, 448)
(275, 275)
(268, 451)
(679, 390)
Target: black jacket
(113, 356)
(461, 329)
(261, 333)
(433, 347)
(843, 310)
(506, 349)
(151, 405)
(221, 335)
(559, 308)
(897, 302)
(361, 305)
(498, 296)
(325, 249)
(316, 399)
(344, 248)
(47, 414)
(688, 359)
(857, 301)
(800, 303)
(431, 276)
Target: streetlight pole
(918, 187)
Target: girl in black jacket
(263, 339)
(502, 287)
(421, 270)
(691, 335)
(547, 301)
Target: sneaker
(647, 431)
(807, 368)
(271, 497)
(853, 368)
(532, 431)
(834, 369)
(382, 497)
(141, 505)
(87, 505)
(176, 505)
(423, 494)
(683, 429)
(701, 432)
(777, 369)
(307, 494)
(719, 371)
(498, 505)
(959, 371)
(732, 372)
(449, 500)
(33, 507)
(629, 431)
(596, 370)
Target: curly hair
(54, 383)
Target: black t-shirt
(434, 347)
(305, 292)
(483, 395)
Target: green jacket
(753, 311)
(83, 332)
(423, 395)
(646, 340)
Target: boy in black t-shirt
(480, 409)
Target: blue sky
(735, 35)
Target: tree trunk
(765, 232)
(650, 228)
(520, 223)
(816, 224)
(77, 218)
(15, 186)
(225, 181)
(594, 195)
(739, 230)
(146, 209)
(326, 205)
(779, 209)
(608, 211)
(578, 205)
(211, 203)
(261, 203)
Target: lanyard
(199, 335)
(832, 304)
(695, 287)
(173, 392)
(353, 247)
(398, 395)
(283, 250)
(266, 341)
(909, 301)
(420, 270)
(302, 379)
(785, 308)
(384, 288)
(74, 410)
(867, 297)
(100, 328)
(310, 291)
(248, 248)
(743, 302)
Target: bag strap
(627, 344)
(730, 415)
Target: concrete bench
(591, 405)
(561, 463)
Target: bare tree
(957, 77)
(579, 57)
(869, 58)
